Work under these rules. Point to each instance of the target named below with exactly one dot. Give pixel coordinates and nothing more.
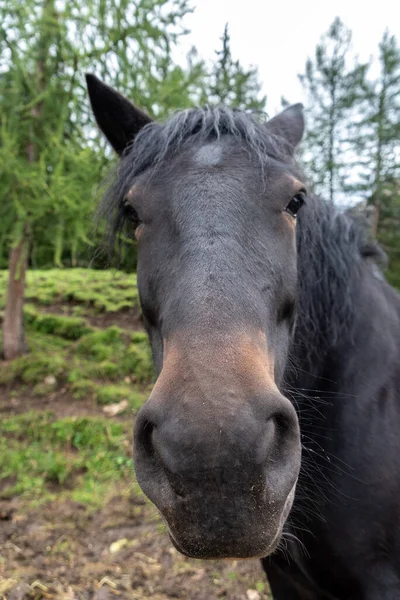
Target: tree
(333, 87)
(23, 177)
(49, 156)
(230, 84)
(376, 137)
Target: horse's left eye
(295, 204)
(131, 215)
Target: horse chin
(238, 551)
(251, 546)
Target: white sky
(277, 36)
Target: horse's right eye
(287, 310)
(296, 203)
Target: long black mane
(332, 246)
(333, 250)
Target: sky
(278, 36)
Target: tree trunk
(13, 325)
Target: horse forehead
(209, 155)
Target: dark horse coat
(217, 444)
(345, 383)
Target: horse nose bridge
(200, 365)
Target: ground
(73, 522)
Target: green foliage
(38, 451)
(137, 360)
(129, 359)
(388, 232)
(80, 386)
(82, 458)
(230, 84)
(49, 161)
(333, 83)
(376, 135)
(110, 394)
(88, 290)
(101, 345)
(352, 147)
(33, 368)
(70, 328)
(51, 156)
(44, 388)
(84, 366)
(80, 357)
(377, 143)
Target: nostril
(144, 438)
(152, 470)
(148, 466)
(283, 423)
(285, 437)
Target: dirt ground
(64, 550)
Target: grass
(69, 328)
(42, 457)
(105, 365)
(65, 351)
(98, 291)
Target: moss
(110, 394)
(104, 370)
(137, 399)
(37, 450)
(40, 342)
(137, 361)
(6, 374)
(36, 368)
(44, 389)
(103, 291)
(139, 337)
(101, 345)
(84, 457)
(69, 328)
(33, 368)
(76, 374)
(83, 388)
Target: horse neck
(349, 317)
(351, 370)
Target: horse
(272, 430)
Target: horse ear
(289, 125)
(117, 118)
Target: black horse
(272, 331)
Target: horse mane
(332, 246)
(333, 250)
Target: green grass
(94, 366)
(69, 328)
(100, 291)
(41, 456)
(95, 363)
